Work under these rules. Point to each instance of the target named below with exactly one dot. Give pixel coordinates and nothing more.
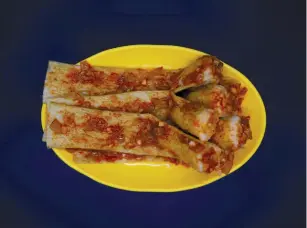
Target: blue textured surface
(263, 39)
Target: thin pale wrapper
(142, 134)
(154, 102)
(65, 80)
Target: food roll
(154, 102)
(65, 80)
(212, 96)
(205, 70)
(232, 132)
(132, 133)
(194, 118)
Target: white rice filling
(200, 166)
(208, 77)
(234, 121)
(204, 116)
(203, 136)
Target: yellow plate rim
(189, 187)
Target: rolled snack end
(205, 70)
(131, 133)
(194, 118)
(213, 97)
(232, 132)
(209, 158)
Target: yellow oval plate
(162, 177)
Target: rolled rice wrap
(140, 134)
(212, 96)
(194, 118)
(65, 80)
(232, 132)
(154, 102)
(205, 70)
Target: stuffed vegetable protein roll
(154, 102)
(232, 132)
(212, 96)
(194, 118)
(66, 80)
(205, 70)
(140, 134)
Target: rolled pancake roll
(205, 70)
(140, 134)
(194, 118)
(232, 132)
(211, 96)
(154, 102)
(82, 156)
(65, 80)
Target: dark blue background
(263, 39)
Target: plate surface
(162, 177)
